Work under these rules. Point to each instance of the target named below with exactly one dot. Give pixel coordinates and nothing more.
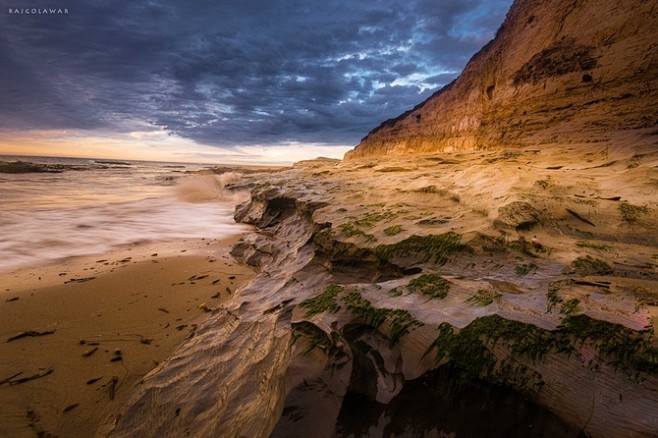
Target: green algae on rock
(469, 351)
(326, 301)
(430, 285)
(435, 248)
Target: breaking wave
(49, 216)
(208, 188)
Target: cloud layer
(235, 73)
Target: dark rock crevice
(428, 406)
(374, 360)
(349, 263)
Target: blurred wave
(208, 188)
(49, 216)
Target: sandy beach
(76, 337)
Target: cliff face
(558, 71)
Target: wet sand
(76, 337)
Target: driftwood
(71, 407)
(79, 280)
(30, 333)
(38, 375)
(113, 386)
(118, 356)
(8, 379)
(140, 338)
(90, 352)
(579, 217)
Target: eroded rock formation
(558, 72)
(523, 278)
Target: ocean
(55, 208)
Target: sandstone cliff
(558, 71)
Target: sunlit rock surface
(558, 72)
(528, 275)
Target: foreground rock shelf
(526, 279)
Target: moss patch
(596, 246)
(552, 296)
(358, 305)
(525, 269)
(350, 230)
(401, 324)
(315, 337)
(395, 292)
(484, 297)
(401, 321)
(436, 248)
(621, 346)
(392, 231)
(464, 351)
(468, 352)
(632, 213)
(570, 307)
(590, 265)
(324, 302)
(371, 219)
(430, 285)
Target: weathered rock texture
(423, 295)
(558, 71)
(395, 291)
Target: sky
(248, 81)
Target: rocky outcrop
(420, 303)
(557, 72)
(27, 167)
(507, 288)
(496, 290)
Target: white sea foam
(46, 217)
(208, 188)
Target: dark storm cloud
(248, 72)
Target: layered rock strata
(557, 72)
(525, 278)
